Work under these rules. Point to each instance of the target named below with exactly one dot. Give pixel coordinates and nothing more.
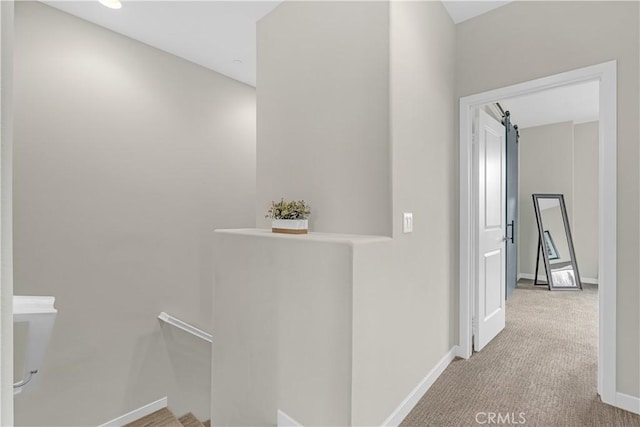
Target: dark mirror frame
(545, 249)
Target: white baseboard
(530, 276)
(137, 413)
(542, 277)
(416, 394)
(628, 403)
(285, 420)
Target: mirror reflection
(555, 242)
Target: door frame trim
(6, 212)
(605, 73)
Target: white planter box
(290, 226)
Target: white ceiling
(578, 103)
(463, 10)
(219, 35)
(214, 34)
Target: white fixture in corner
(111, 4)
(33, 305)
(407, 222)
(39, 313)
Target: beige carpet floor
(542, 366)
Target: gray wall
(585, 198)
(283, 311)
(323, 113)
(546, 166)
(537, 39)
(361, 96)
(425, 182)
(560, 158)
(126, 159)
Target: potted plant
(289, 217)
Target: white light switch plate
(407, 222)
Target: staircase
(165, 418)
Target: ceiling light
(111, 4)
(237, 61)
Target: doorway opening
(604, 75)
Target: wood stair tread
(161, 418)
(189, 420)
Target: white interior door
(489, 318)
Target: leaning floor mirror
(555, 244)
